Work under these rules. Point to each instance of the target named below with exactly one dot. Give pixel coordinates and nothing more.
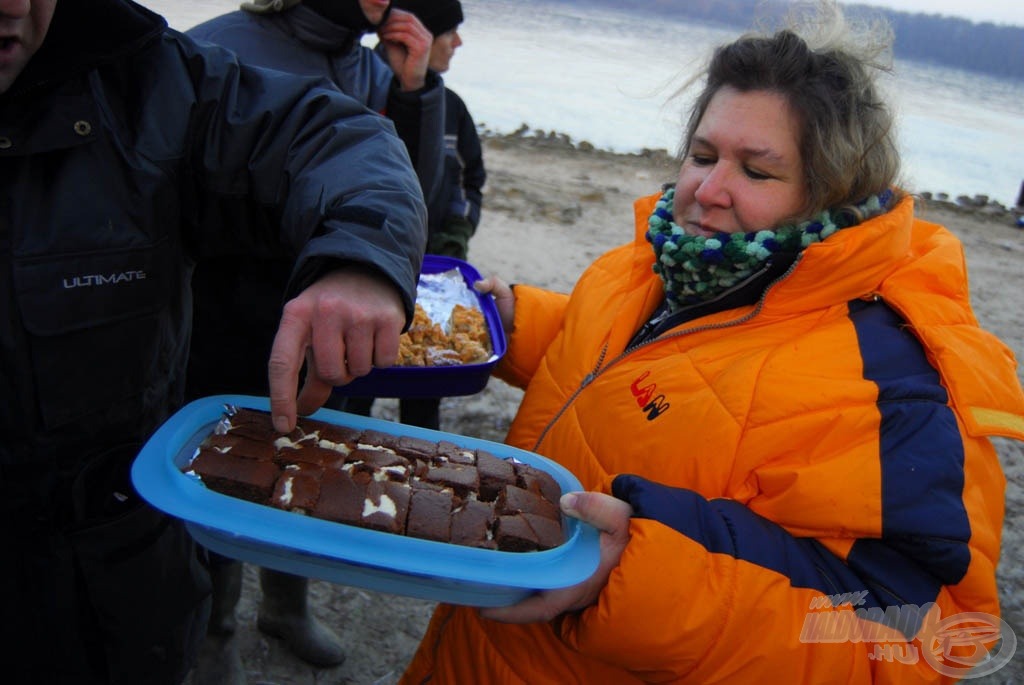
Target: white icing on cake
(336, 446)
(387, 471)
(386, 506)
(380, 448)
(286, 496)
(284, 442)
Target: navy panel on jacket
(724, 526)
(925, 528)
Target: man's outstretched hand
(342, 326)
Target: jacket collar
(84, 34)
(850, 264)
(317, 32)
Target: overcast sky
(997, 11)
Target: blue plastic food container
(437, 381)
(350, 555)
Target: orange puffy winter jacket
(815, 496)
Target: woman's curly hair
(848, 143)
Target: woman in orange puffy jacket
(780, 403)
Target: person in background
(238, 303)
(778, 401)
(454, 214)
(130, 153)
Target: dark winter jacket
(455, 213)
(128, 152)
(238, 304)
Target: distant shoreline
(529, 137)
(980, 47)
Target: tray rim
(157, 475)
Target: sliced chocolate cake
(404, 485)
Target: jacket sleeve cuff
(431, 82)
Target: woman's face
(743, 171)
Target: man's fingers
(359, 353)
(315, 391)
(290, 343)
(329, 356)
(385, 349)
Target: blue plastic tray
(349, 555)
(437, 381)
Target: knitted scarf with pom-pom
(697, 268)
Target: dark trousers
(424, 412)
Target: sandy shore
(550, 209)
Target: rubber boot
(220, 662)
(285, 613)
(226, 575)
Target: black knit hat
(439, 16)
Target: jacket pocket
(141, 573)
(93, 325)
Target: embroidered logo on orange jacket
(648, 398)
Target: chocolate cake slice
(461, 479)
(430, 514)
(534, 479)
(256, 424)
(296, 490)
(472, 525)
(338, 435)
(305, 453)
(386, 506)
(241, 446)
(449, 451)
(378, 439)
(526, 533)
(341, 497)
(494, 474)
(513, 500)
(248, 479)
(416, 448)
